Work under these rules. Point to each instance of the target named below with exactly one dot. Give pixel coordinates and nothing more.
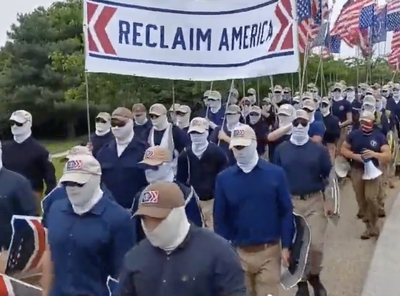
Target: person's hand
(212, 124)
(89, 145)
(223, 137)
(358, 157)
(368, 154)
(285, 256)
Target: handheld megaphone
(371, 172)
(342, 166)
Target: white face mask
(300, 134)
(199, 139)
(246, 109)
(232, 119)
(396, 93)
(123, 132)
(337, 94)
(325, 110)
(160, 123)
(163, 173)
(284, 120)
(350, 95)
(171, 232)
(214, 105)
(140, 119)
(277, 97)
(247, 157)
(266, 108)
(369, 108)
(183, 121)
(103, 127)
(252, 99)
(254, 118)
(21, 130)
(378, 106)
(233, 100)
(81, 197)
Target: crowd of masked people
(173, 203)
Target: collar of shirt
(260, 165)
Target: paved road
(347, 257)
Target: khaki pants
(367, 194)
(332, 151)
(313, 210)
(342, 138)
(207, 207)
(262, 266)
(3, 260)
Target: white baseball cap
(80, 168)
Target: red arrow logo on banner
(283, 12)
(99, 28)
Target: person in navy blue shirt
(245, 105)
(332, 128)
(341, 108)
(222, 135)
(307, 166)
(183, 117)
(268, 112)
(214, 110)
(157, 166)
(393, 104)
(141, 124)
(361, 146)
(182, 258)
(102, 134)
(199, 164)
(88, 234)
(261, 129)
(277, 97)
(253, 210)
(317, 128)
(119, 158)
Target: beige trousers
(207, 207)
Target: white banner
(191, 40)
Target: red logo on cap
(238, 133)
(149, 154)
(149, 197)
(73, 165)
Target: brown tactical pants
(313, 210)
(367, 195)
(342, 138)
(207, 207)
(3, 260)
(262, 266)
(332, 151)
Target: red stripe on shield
(41, 243)
(4, 286)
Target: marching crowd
(171, 203)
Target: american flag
(339, 28)
(333, 43)
(27, 246)
(393, 15)
(379, 29)
(326, 54)
(393, 57)
(367, 16)
(12, 287)
(303, 8)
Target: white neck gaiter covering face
(21, 133)
(367, 107)
(160, 123)
(350, 96)
(284, 121)
(183, 121)
(84, 198)
(214, 105)
(396, 96)
(102, 128)
(379, 106)
(299, 135)
(254, 118)
(141, 119)
(232, 120)
(171, 232)
(246, 158)
(199, 143)
(163, 173)
(325, 111)
(246, 110)
(337, 96)
(123, 135)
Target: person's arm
(325, 162)
(349, 116)
(47, 271)
(214, 135)
(345, 150)
(48, 171)
(122, 242)
(222, 160)
(181, 139)
(221, 211)
(182, 174)
(26, 200)
(126, 286)
(276, 134)
(285, 208)
(385, 155)
(229, 276)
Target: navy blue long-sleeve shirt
(261, 129)
(253, 208)
(142, 131)
(224, 145)
(100, 141)
(181, 139)
(307, 167)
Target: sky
(8, 15)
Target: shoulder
(114, 214)
(283, 146)
(228, 173)
(16, 179)
(39, 146)
(215, 148)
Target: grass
(59, 166)
(60, 146)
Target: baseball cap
(363, 85)
(233, 109)
(157, 200)
(306, 96)
(287, 89)
(396, 86)
(309, 105)
(234, 92)
(369, 100)
(79, 150)
(301, 114)
(214, 95)
(385, 87)
(369, 90)
(367, 115)
(251, 91)
(245, 99)
(184, 109)
(242, 135)
(325, 100)
(255, 109)
(198, 124)
(286, 109)
(79, 168)
(21, 116)
(104, 115)
(156, 155)
(278, 88)
(350, 88)
(174, 107)
(122, 113)
(311, 85)
(267, 100)
(376, 86)
(158, 109)
(138, 109)
(337, 86)
(206, 93)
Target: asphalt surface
(347, 257)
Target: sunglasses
(180, 113)
(249, 95)
(239, 147)
(254, 114)
(299, 121)
(278, 93)
(336, 89)
(212, 100)
(154, 116)
(324, 105)
(13, 122)
(71, 184)
(395, 89)
(117, 123)
(100, 120)
(308, 110)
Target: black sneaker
(302, 289)
(318, 287)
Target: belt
(306, 196)
(256, 248)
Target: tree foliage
(42, 71)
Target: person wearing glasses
(25, 156)
(214, 110)
(307, 166)
(102, 133)
(317, 128)
(119, 158)
(183, 117)
(277, 97)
